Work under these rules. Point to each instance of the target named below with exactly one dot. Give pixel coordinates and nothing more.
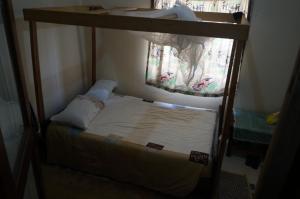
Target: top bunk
(219, 25)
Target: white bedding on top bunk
(178, 129)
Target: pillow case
(80, 112)
(102, 89)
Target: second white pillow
(80, 112)
(102, 89)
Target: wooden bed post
(227, 111)
(225, 96)
(228, 114)
(93, 54)
(36, 73)
(232, 88)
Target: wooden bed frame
(219, 25)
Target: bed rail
(220, 25)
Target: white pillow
(79, 112)
(102, 89)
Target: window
(206, 74)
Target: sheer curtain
(165, 70)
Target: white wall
(270, 54)
(64, 72)
(63, 60)
(19, 5)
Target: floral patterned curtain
(164, 68)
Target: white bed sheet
(179, 129)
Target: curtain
(207, 76)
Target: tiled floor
(70, 184)
(235, 164)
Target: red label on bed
(199, 157)
(154, 146)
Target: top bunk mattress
(176, 128)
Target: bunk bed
(165, 167)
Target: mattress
(176, 128)
(160, 146)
